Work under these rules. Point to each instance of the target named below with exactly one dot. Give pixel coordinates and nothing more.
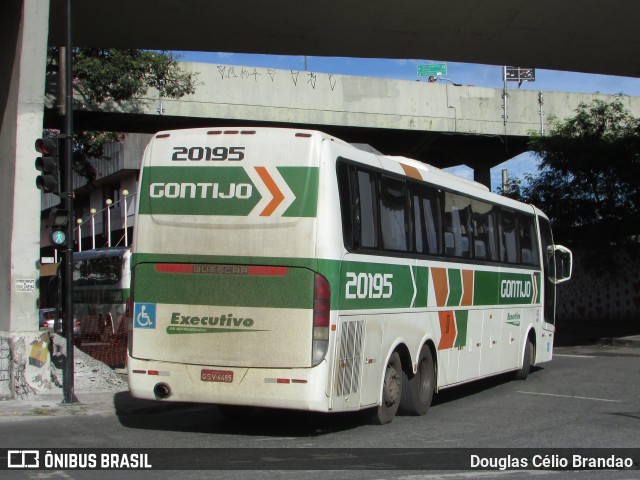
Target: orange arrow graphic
(277, 195)
(447, 329)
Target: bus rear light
(285, 381)
(231, 132)
(155, 373)
(129, 315)
(321, 317)
(303, 135)
(321, 302)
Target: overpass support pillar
(24, 359)
(482, 174)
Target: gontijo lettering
(200, 190)
(515, 289)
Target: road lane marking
(572, 396)
(573, 356)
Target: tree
(589, 174)
(103, 75)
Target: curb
(632, 341)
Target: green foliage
(103, 75)
(108, 74)
(589, 174)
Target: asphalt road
(587, 397)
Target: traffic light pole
(67, 175)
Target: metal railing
(125, 201)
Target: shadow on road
(473, 388)
(201, 418)
(193, 417)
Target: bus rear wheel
(527, 361)
(417, 392)
(391, 392)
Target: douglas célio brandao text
(551, 461)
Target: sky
(464, 73)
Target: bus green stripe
(303, 182)
(462, 321)
(354, 285)
(293, 290)
(455, 287)
(221, 190)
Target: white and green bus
(101, 285)
(286, 268)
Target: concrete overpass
(596, 36)
(438, 123)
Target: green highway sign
(432, 70)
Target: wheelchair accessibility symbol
(144, 315)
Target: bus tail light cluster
(129, 314)
(321, 315)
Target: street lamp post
(93, 228)
(109, 202)
(79, 222)
(126, 236)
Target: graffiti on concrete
(311, 79)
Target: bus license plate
(224, 376)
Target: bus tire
(417, 391)
(527, 361)
(391, 392)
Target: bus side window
(528, 241)
(457, 233)
(484, 231)
(347, 208)
(366, 198)
(508, 237)
(426, 214)
(395, 223)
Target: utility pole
(67, 286)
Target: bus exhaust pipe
(162, 390)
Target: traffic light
(48, 164)
(58, 221)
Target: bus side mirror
(563, 264)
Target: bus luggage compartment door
(231, 315)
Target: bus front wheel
(527, 361)
(417, 392)
(391, 391)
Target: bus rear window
(97, 271)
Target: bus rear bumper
(296, 389)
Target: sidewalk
(46, 405)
